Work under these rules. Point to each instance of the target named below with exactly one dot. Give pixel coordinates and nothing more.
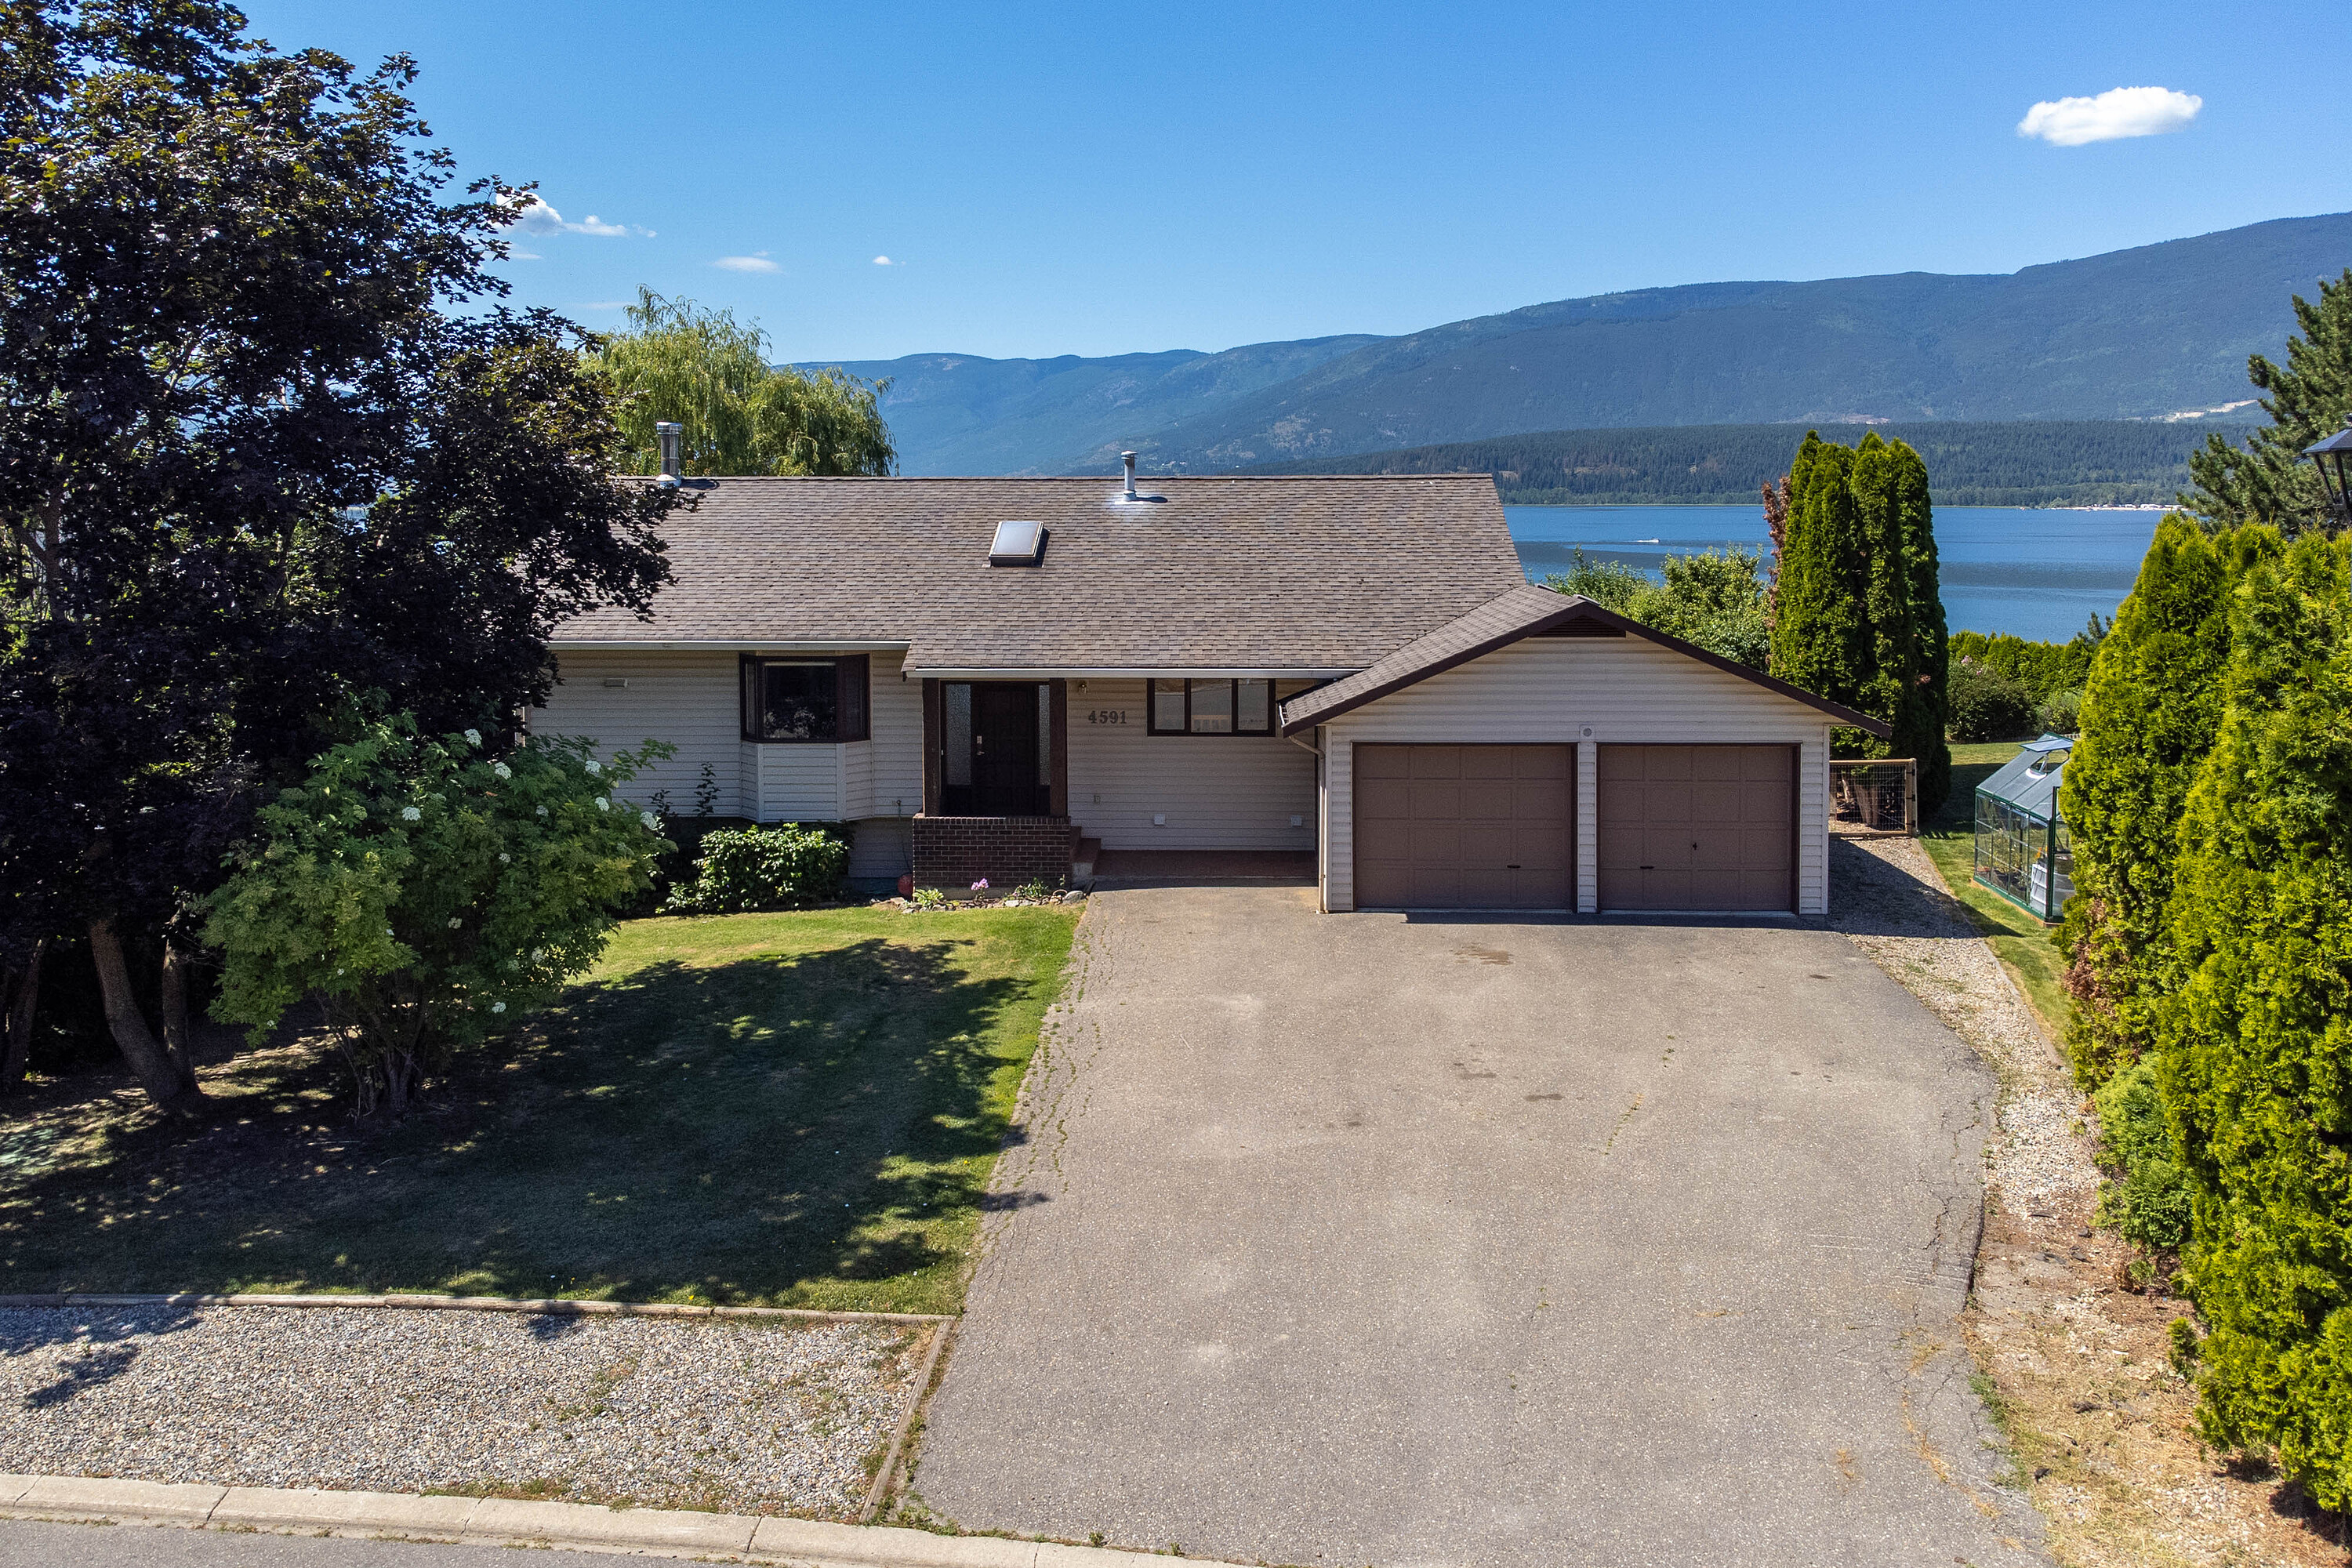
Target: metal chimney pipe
(1128, 459)
(671, 435)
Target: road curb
(504, 1522)
(553, 1307)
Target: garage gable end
(1511, 617)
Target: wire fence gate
(1875, 796)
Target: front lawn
(2022, 942)
(788, 1110)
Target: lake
(2036, 572)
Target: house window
(815, 699)
(1212, 706)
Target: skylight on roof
(1018, 544)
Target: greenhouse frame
(2023, 851)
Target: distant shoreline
(1742, 506)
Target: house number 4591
(1105, 716)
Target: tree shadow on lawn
(810, 1128)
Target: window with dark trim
(1209, 707)
(804, 699)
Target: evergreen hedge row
(2151, 704)
(2211, 941)
(2254, 1042)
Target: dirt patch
(2075, 1362)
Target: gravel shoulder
(2073, 1360)
(785, 1418)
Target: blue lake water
(2035, 571)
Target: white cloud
(539, 219)
(883, 261)
(2116, 113)
(756, 262)
(524, 255)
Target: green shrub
(1714, 599)
(2061, 713)
(1985, 705)
(2147, 1199)
(743, 870)
(2253, 1043)
(1612, 584)
(427, 894)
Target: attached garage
(1465, 827)
(1698, 828)
(1543, 754)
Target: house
(992, 676)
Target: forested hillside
(2078, 462)
(2133, 335)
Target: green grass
(787, 1109)
(2022, 941)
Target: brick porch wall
(954, 852)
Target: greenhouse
(2022, 852)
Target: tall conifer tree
(1823, 642)
(1858, 619)
(2307, 398)
(2150, 708)
(1931, 651)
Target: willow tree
(709, 373)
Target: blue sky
(1099, 178)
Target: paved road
(26, 1543)
(1373, 1240)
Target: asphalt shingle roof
(1257, 572)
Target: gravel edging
(553, 1307)
(1892, 904)
(496, 1521)
(755, 1416)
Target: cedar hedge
(2253, 1050)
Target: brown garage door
(1698, 827)
(1465, 828)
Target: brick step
(1082, 865)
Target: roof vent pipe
(671, 435)
(1128, 459)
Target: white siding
(1623, 690)
(800, 782)
(686, 698)
(1217, 792)
(886, 773)
(885, 847)
(691, 700)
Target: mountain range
(2146, 333)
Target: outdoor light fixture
(2334, 456)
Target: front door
(1005, 778)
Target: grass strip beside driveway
(790, 1110)
(2022, 941)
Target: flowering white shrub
(470, 892)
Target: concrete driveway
(1378, 1240)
